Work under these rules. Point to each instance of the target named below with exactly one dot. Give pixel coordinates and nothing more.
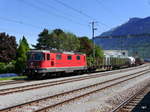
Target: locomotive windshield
(35, 56)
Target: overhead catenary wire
(11, 32)
(106, 9)
(148, 2)
(79, 11)
(40, 7)
(74, 9)
(48, 12)
(20, 22)
(48, 5)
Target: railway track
(129, 104)
(52, 83)
(12, 82)
(22, 81)
(47, 103)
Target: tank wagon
(42, 63)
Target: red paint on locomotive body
(63, 60)
(46, 61)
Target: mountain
(134, 36)
(133, 26)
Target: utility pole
(93, 32)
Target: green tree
(72, 42)
(24, 40)
(86, 46)
(57, 39)
(98, 52)
(49, 40)
(21, 55)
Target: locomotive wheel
(31, 77)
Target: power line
(11, 31)
(56, 9)
(66, 14)
(20, 22)
(106, 8)
(103, 24)
(48, 12)
(78, 11)
(149, 2)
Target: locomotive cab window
(69, 57)
(48, 56)
(58, 57)
(78, 57)
(35, 56)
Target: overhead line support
(93, 35)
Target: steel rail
(124, 103)
(52, 83)
(68, 92)
(12, 82)
(80, 96)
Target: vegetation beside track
(14, 78)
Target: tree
(8, 48)
(21, 55)
(60, 40)
(98, 52)
(72, 42)
(86, 46)
(48, 41)
(24, 40)
(57, 39)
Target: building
(116, 53)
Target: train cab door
(52, 62)
(50, 59)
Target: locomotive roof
(39, 51)
(43, 51)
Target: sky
(30, 17)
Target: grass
(14, 78)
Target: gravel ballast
(18, 98)
(58, 79)
(106, 100)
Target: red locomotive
(45, 62)
(42, 63)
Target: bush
(2, 67)
(90, 61)
(20, 65)
(7, 68)
(10, 67)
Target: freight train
(42, 63)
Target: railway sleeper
(133, 103)
(125, 110)
(129, 107)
